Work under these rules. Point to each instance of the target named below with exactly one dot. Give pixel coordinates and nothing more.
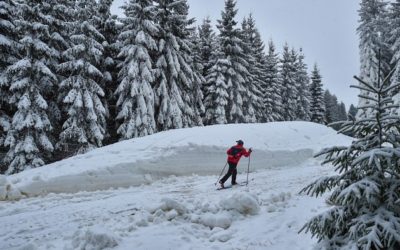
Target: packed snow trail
(172, 213)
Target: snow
(180, 152)
(157, 192)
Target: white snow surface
(180, 152)
(158, 192)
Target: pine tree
(365, 192)
(59, 15)
(8, 55)
(317, 107)
(29, 78)
(81, 92)
(236, 74)
(288, 84)
(342, 112)
(373, 32)
(175, 87)
(109, 27)
(395, 48)
(330, 107)
(256, 82)
(272, 94)
(216, 94)
(352, 112)
(198, 78)
(303, 82)
(207, 45)
(135, 93)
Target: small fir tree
(366, 191)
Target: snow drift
(200, 151)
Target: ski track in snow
(139, 218)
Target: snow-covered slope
(200, 150)
(175, 212)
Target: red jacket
(235, 152)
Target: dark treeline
(73, 77)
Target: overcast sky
(325, 29)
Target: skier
(234, 154)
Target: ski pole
(248, 169)
(221, 173)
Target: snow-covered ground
(171, 202)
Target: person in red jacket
(234, 155)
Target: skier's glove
(250, 150)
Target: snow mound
(94, 239)
(7, 191)
(180, 152)
(242, 202)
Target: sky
(325, 29)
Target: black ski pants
(232, 171)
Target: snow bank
(94, 238)
(200, 150)
(243, 203)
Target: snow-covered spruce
(135, 94)
(303, 89)
(373, 31)
(175, 85)
(288, 83)
(216, 95)
(256, 82)
(29, 78)
(394, 40)
(272, 96)
(84, 127)
(317, 108)
(8, 49)
(366, 191)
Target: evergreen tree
(29, 78)
(365, 192)
(108, 26)
(176, 90)
(135, 94)
(395, 48)
(59, 15)
(317, 107)
(207, 45)
(256, 58)
(216, 95)
(373, 32)
(272, 94)
(342, 112)
(85, 126)
(199, 79)
(331, 112)
(288, 83)
(352, 112)
(236, 74)
(8, 56)
(303, 82)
